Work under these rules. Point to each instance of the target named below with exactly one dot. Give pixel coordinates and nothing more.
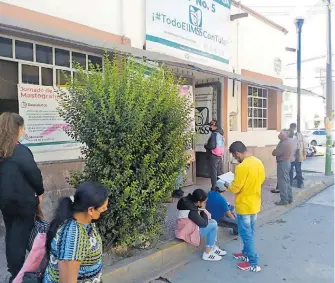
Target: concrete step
(147, 268)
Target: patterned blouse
(76, 242)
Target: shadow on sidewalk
(268, 199)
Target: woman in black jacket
(192, 208)
(21, 188)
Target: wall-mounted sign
(187, 91)
(193, 30)
(203, 115)
(44, 127)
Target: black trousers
(214, 167)
(18, 229)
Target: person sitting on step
(220, 209)
(194, 222)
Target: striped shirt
(76, 242)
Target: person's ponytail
(88, 194)
(63, 212)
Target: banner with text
(187, 90)
(193, 30)
(44, 127)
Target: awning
(99, 46)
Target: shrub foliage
(132, 125)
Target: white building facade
(234, 64)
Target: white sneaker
(219, 252)
(211, 256)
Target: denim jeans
(210, 232)
(179, 181)
(246, 230)
(297, 166)
(225, 218)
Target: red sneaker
(246, 266)
(241, 257)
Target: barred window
(36, 63)
(257, 108)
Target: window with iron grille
(36, 63)
(257, 108)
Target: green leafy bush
(132, 124)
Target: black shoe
(281, 203)
(178, 193)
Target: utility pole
(299, 22)
(329, 95)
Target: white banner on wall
(193, 30)
(203, 115)
(43, 125)
(187, 90)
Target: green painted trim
(185, 48)
(220, 2)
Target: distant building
(312, 110)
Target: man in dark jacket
(215, 150)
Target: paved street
(316, 164)
(298, 247)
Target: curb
(175, 253)
(170, 253)
(300, 196)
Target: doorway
(207, 107)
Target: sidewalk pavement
(170, 252)
(268, 198)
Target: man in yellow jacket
(247, 187)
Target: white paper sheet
(227, 177)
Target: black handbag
(36, 277)
(40, 226)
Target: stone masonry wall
(55, 184)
